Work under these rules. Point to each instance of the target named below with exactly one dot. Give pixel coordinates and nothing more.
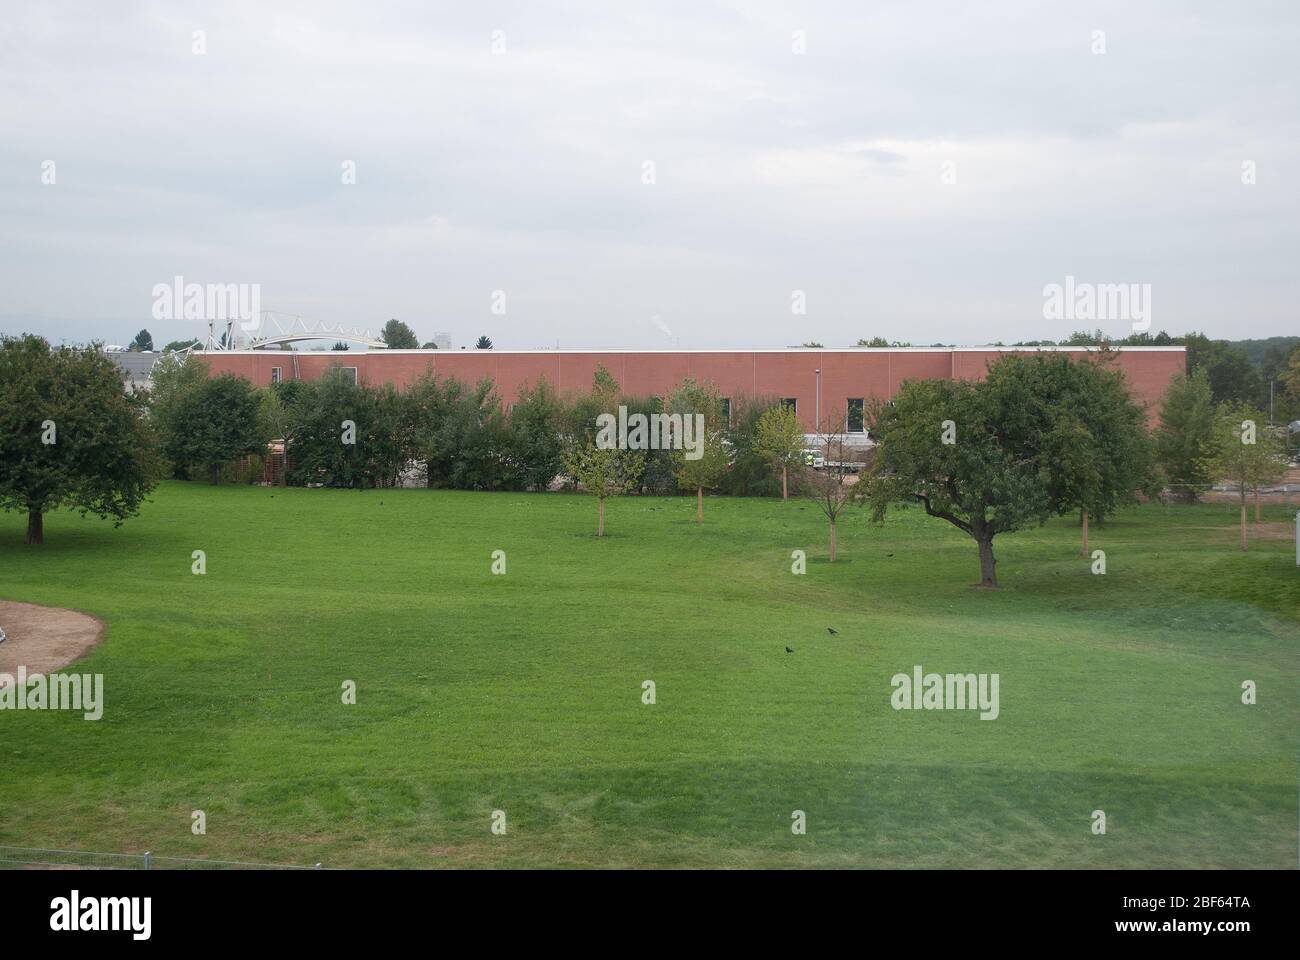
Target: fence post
(148, 858)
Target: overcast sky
(774, 171)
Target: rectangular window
(790, 403)
(856, 424)
(726, 411)
(350, 372)
(275, 374)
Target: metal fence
(36, 858)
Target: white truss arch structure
(273, 327)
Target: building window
(856, 424)
(790, 403)
(276, 374)
(726, 411)
(350, 373)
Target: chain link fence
(36, 858)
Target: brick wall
(777, 373)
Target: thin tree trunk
(699, 504)
(988, 565)
(832, 541)
(1257, 504)
(35, 527)
(1085, 533)
(785, 485)
(600, 522)
(1243, 522)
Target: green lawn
(523, 692)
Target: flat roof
(547, 351)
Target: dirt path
(44, 638)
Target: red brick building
(814, 378)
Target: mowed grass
(523, 692)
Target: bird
(832, 631)
(788, 650)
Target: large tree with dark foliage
(70, 434)
(535, 448)
(398, 336)
(991, 457)
(459, 431)
(214, 422)
(345, 434)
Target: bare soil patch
(43, 639)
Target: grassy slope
(522, 692)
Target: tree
(70, 434)
(780, 440)
(143, 342)
(1096, 453)
(1243, 451)
(178, 345)
(1289, 377)
(751, 473)
(1233, 378)
(173, 377)
(1183, 436)
(215, 422)
(984, 482)
(604, 473)
(700, 465)
(430, 345)
(398, 336)
(829, 488)
(535, 451)
(459, 431)
(484, 343)
(346, 434)
(980, 455)
(340, 345)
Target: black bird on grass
(832, 631)
(788, 650)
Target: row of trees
(461, 434)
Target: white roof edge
(548, 352)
